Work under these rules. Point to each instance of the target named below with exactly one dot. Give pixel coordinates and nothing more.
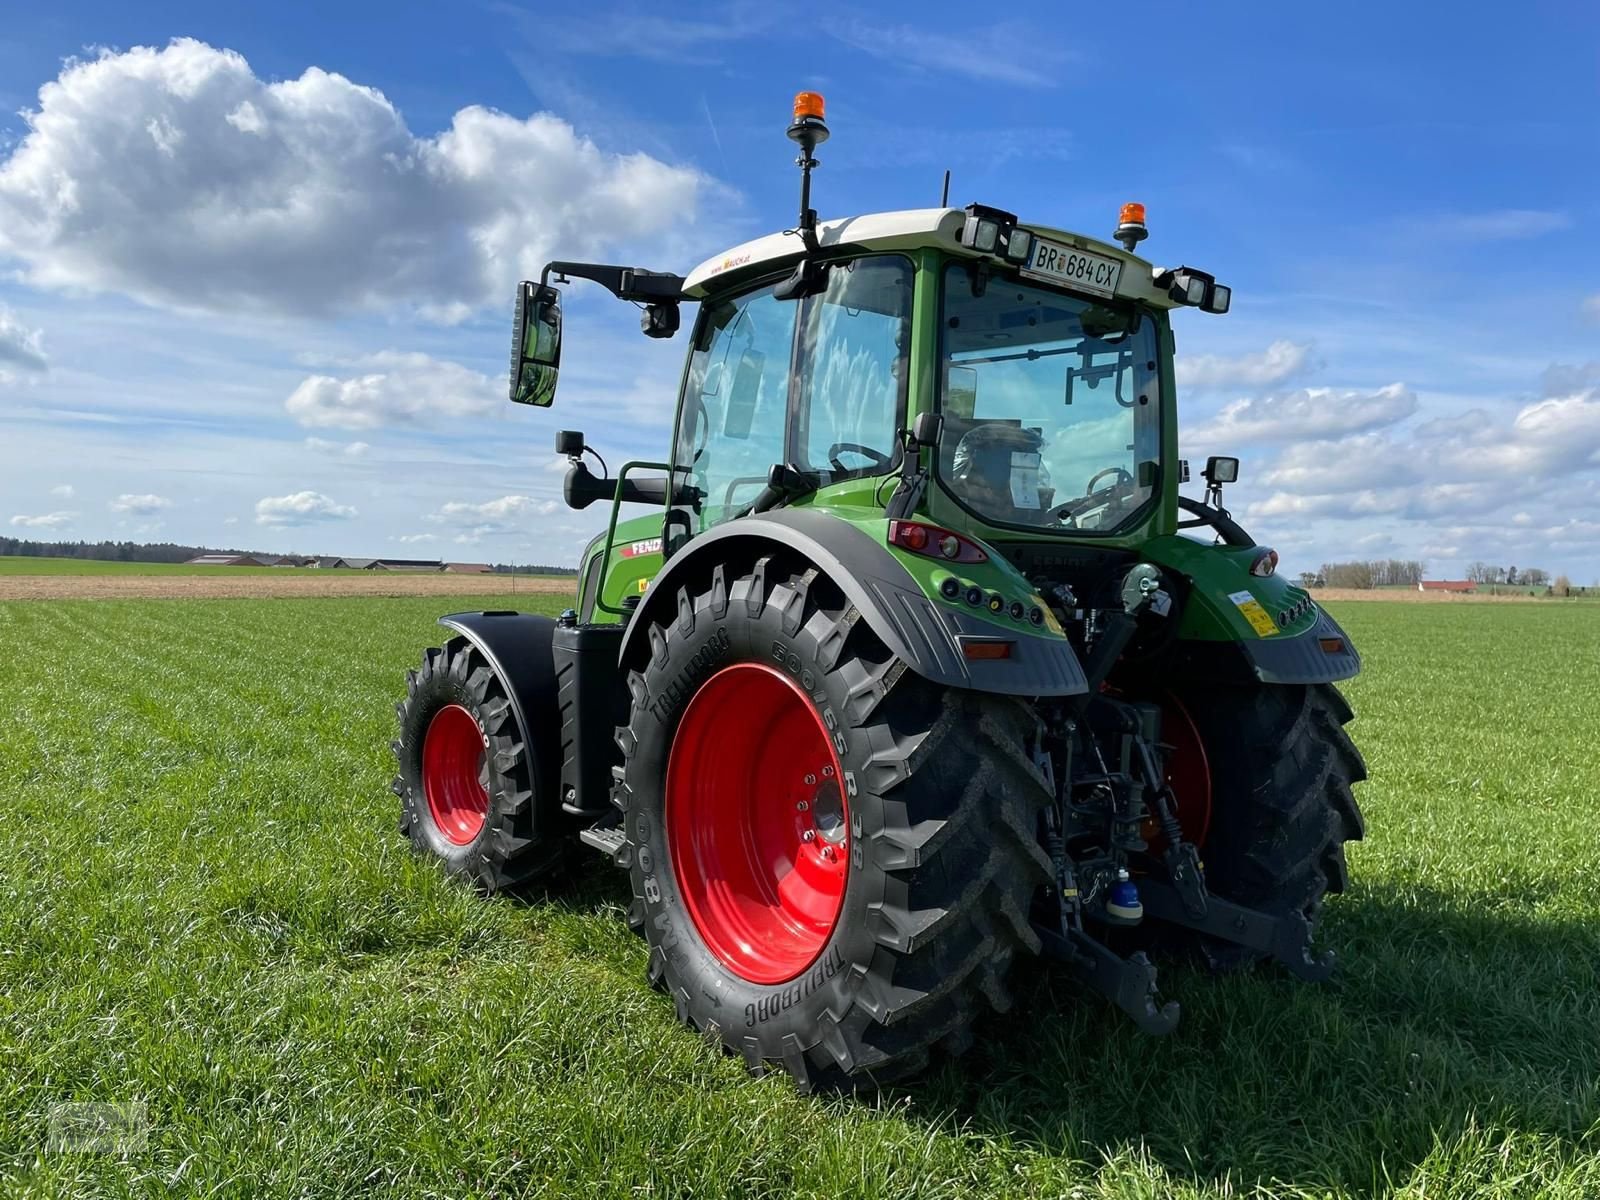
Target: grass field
(205, 906)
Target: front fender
(925, 635)
(518, 648)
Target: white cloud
(346, 449)
(55, 520)
(179, 177)
(1422, 503)
(412, 538)
(1351, 465)
(1310, 414)
(21, 348)
(65, 490)
(403, 389)
(300, 508)
(143, 506)
(1507, 224)
(508, 514)
(1273, 365)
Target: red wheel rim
(455, 774)
(1188, 774)
(757, 823)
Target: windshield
(1051, 408)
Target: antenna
(944, 196)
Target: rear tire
(1282, 804)
(940, 805)
(466, 783)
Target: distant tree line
(1509, 576)
(530, 569)
(1378, 572)
(153, 552)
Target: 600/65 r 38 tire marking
(936, 819)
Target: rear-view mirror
(535, 345)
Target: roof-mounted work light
(994, 231)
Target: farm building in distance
(1465, 586)
(230, 560)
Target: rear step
(607, 841)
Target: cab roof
(907, 229)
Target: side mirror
(1221, 470)
(927, 428)
(535, 345)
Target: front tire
(467, 783)
(751, 696)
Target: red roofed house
(1447, 585)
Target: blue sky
(254, 264)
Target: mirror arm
(582, 488)
(634, 284)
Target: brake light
(986, 650)
(931, 541)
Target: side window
(855, 341)
(731, 423)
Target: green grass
(204, 905)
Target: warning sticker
(644, 585)
(1254, 613)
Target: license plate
(1076, 268)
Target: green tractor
(916, 665)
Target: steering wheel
(877, 457)
(1121, 478)
(1094, 497)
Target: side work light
(1196, 288)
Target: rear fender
(923, 634)
(1322, 654)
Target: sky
(256, 262)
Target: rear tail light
(972, 649)
(931, 541)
